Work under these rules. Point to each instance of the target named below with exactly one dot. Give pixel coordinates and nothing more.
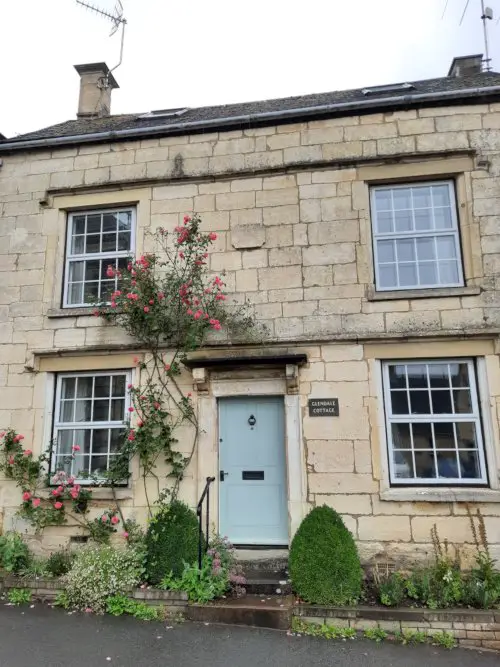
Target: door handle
(222, 475)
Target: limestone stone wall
(290, 205)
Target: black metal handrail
(199, 513)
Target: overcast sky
(203, 52)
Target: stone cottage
(364, 228)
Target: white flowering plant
(99, 572)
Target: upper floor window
(415, 236)
(433, 423)
(96, 240)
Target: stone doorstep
(455, 616)
(273, 612)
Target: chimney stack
(96, 84)
(466, 65)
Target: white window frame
(70, 257)
(61, 426)
(474, 417)
(391, 236)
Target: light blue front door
(252, 477)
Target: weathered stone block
(279, 141)
(334, 483)
(254, 259)
(248, 236)
(310, 210)
(279, 236)
(331, 456)
(235, 200)
(285, 256)
(321, 233)
(246, 184)
(317, 275)
(333, 253)
(337, 208)
(274, 278)
(281, 197)
(281, 215)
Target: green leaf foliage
(14, 553)
(171, 541)
(324, 562)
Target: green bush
(324, 563)
(99, 572)
(14, 553)
(171, 541)
(392, 591)
(59, 562)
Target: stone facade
(290, 205)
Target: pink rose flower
(58, 505)
(27, 452)
(131, 409)
(115, 520)
(212, 236)
(26, 496)
(36, 502)
(76, 448)
(104, 518)
(125, 535)
(131, 436)
(146, 309)
(18, 438)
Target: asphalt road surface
(46, 637)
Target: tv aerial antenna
(486, 15)
(117, 19)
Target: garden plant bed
(471, 628)
(47, 590)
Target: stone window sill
(441, 495)
(70, 312)
(392, 295)
(102, 493)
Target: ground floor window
(89, 422)
(433, 423)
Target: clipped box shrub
(171, 541)
(324, 562)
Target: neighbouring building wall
(291, 208)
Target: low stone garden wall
(46, 590)
(472, 628)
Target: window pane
(466, 435)
(383, 200)
(401, 438)
(100, 441)
(107, 289)
(426, 248)
(424, 465)
(91, 292)
(403, 220)
(441, 195)
(417, 375)
(448, 272)
(109, 222)
(94, 224)
(446, 247)
(387, 276)
(116, 440)
(444, 435)
(102, 386)
(422, 197)
(406, 250)
(118, 385)
(78, 245)
(442, 218)
(92, 243)
(76, 271)
(469, 464)
(68, 388)
(83, 411)
(125, 220)
(459, 375)
(423, 219)
(441, 402)
(124, 241)
(419, 401)
(78, 224)
(407, 275)
(385, 222)
(101, 410)
(386, 251)
(98, 464)
(92, 269)
(117, 410)
(403, 465)
(438, 375)
(428, 273)
(64, 443)
(75, 293)
(462, 401)
(82, 439)
(84, 386)
(422, 436)
(402, 198)
(399, 403)
(66, 413)
(447, 464)
(108, 242)
(80, 466)
(397, 376)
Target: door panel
(252, 497)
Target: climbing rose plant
(169, 302)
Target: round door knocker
(252, 421)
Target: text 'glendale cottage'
(364, 228)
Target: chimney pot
(466, 65)
(96, 84)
